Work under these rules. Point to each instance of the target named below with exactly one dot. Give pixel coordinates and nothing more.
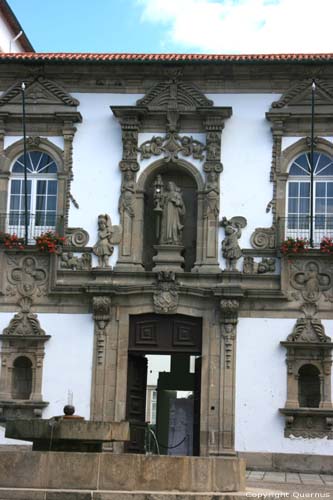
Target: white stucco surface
(261, 389)
(6, 35)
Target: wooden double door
(159, 334)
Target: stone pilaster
(102, 316)
(130, 202)
(209, 199)
(228, 327)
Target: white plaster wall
(261, 389)
(67, 362)
(6, 35)
(246, 156)
(97, 152)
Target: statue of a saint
(231, 250)
(173, 210)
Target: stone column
(228, 326)
(130, 201)
(102, 316)
(209, 200)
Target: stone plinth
(109, 472)
(63, 434)
(168, 258)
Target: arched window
(308, 386)
(42, 188)
(298, 207)
(22, 378)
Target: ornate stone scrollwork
(171, 145)
(102, 316)
(309, 280)
(264, 238)
(231, 250)
(28, 276)
(24, 323)
(165, 298)
(108, 235)
(77, 237)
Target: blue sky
(209, 26)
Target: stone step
(34, 494)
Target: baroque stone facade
(155, 261)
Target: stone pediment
(38, 91)
(300, 95)
(308, 330)
(174, 95)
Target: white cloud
(243, 26)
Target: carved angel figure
(231, 250)
(104, 248)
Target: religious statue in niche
(170, 210)
(127, 197)
(212, 191)
(231, 250)
(104, 248)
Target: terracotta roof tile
(132, 58)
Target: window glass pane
(300, 166)
(40, 219)
(47, 165)
(52, 187)
(41, 187)
(293, 205)
(330, 189)
(304, 204)
(28, 187)
(320, 205)
(16, 187)
(320, 222)
(18, 167)
(305, 189)
(40, 203)
(293, 189)
(330, 205)
(14, 203)
(296, 170)
(50, 219)
(51, 203)
(320, 189)
(324, 165)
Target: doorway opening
(163, 387)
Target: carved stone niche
(22, 357)
(308, 410)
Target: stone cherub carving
(108, 235)
(231, 250)
(170, 209)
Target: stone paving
(261, 484)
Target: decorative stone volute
(102, 311)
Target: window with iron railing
(42, 188)
(298, 221)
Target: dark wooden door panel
(136, 402)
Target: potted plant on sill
(326, 245)
(294, 246)
(11, 241)
(49, 242)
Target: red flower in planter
(326, 245)
(49, 241)
(292, 245)
(11, 241)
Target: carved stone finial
(108, 235)
(308, 330)
(231, 250)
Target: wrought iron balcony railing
(298, 226)
(14, 223)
